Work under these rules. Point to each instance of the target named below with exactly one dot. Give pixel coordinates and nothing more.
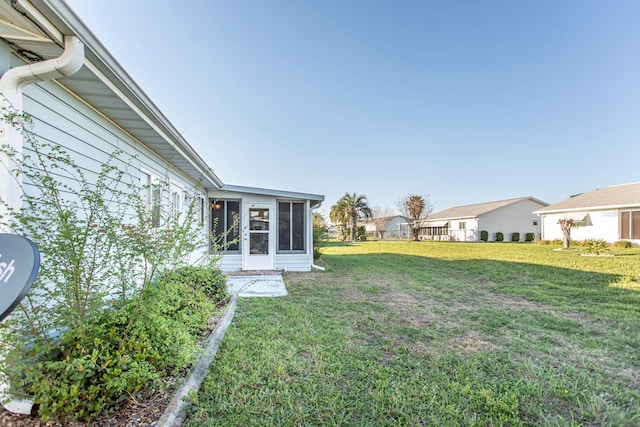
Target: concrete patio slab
(257, 286)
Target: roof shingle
(622, 195)
(477, 209)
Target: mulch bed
(131, 414)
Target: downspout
(12, 84)
(317, 267)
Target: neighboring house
(79, 97)
(609, 213)
(393, 230)
(464, 223)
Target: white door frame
(258, 241)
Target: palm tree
(338, 215)
(414, 209)
(353, 207)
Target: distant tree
(339, 216)
(381, 217)
(414, 209)
(352, 207)
(565, 226)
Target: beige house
(465, 223)
(608, 213)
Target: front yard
(435, 334)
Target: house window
(176, 204)
(630, 225)
(291, 230)
(535, 223)
(225, 225)
(462, 225)
(150, 196)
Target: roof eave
(587, 208)
(67, 22)
(272, 192)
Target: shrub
(120, 353)
(596, 246)
(544, 242)
(362, 237)
(484, 235)
(515, 237)
(529, 237)
(499, 236)
(209, 280)
(623, 244)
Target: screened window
(225, 225)
(291, 227)
(462, 225)
(630, 225)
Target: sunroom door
(258, 244)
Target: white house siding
(292, 262)
(89, 138)
(468, 234)
(516, 217)
(602, 224)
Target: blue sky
(463, 101)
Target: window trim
(630, 227)
(305, 236)
(151, 198)
(226, 227)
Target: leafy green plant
(499, 236)
(596, 246)
(515, 237)
(209, 280)
(101, 244)
(484, 235)
(122, 352)
(625, 244)
(529, 237)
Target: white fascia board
(270, 192)
(588, 208)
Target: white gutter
(12, 84)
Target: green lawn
(436, 334)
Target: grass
(434, 334)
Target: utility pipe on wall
(12, 84)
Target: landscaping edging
(174, 413)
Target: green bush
(596, 246)
(515, 237)
(484, 235)
(362, 237)
(623, 244)
(529, 237)
(499, 236)
(120, 353)
(209, 280)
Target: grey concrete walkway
(270, 285)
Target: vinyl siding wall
(517, 217)
(602, 224)
(90, 139)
